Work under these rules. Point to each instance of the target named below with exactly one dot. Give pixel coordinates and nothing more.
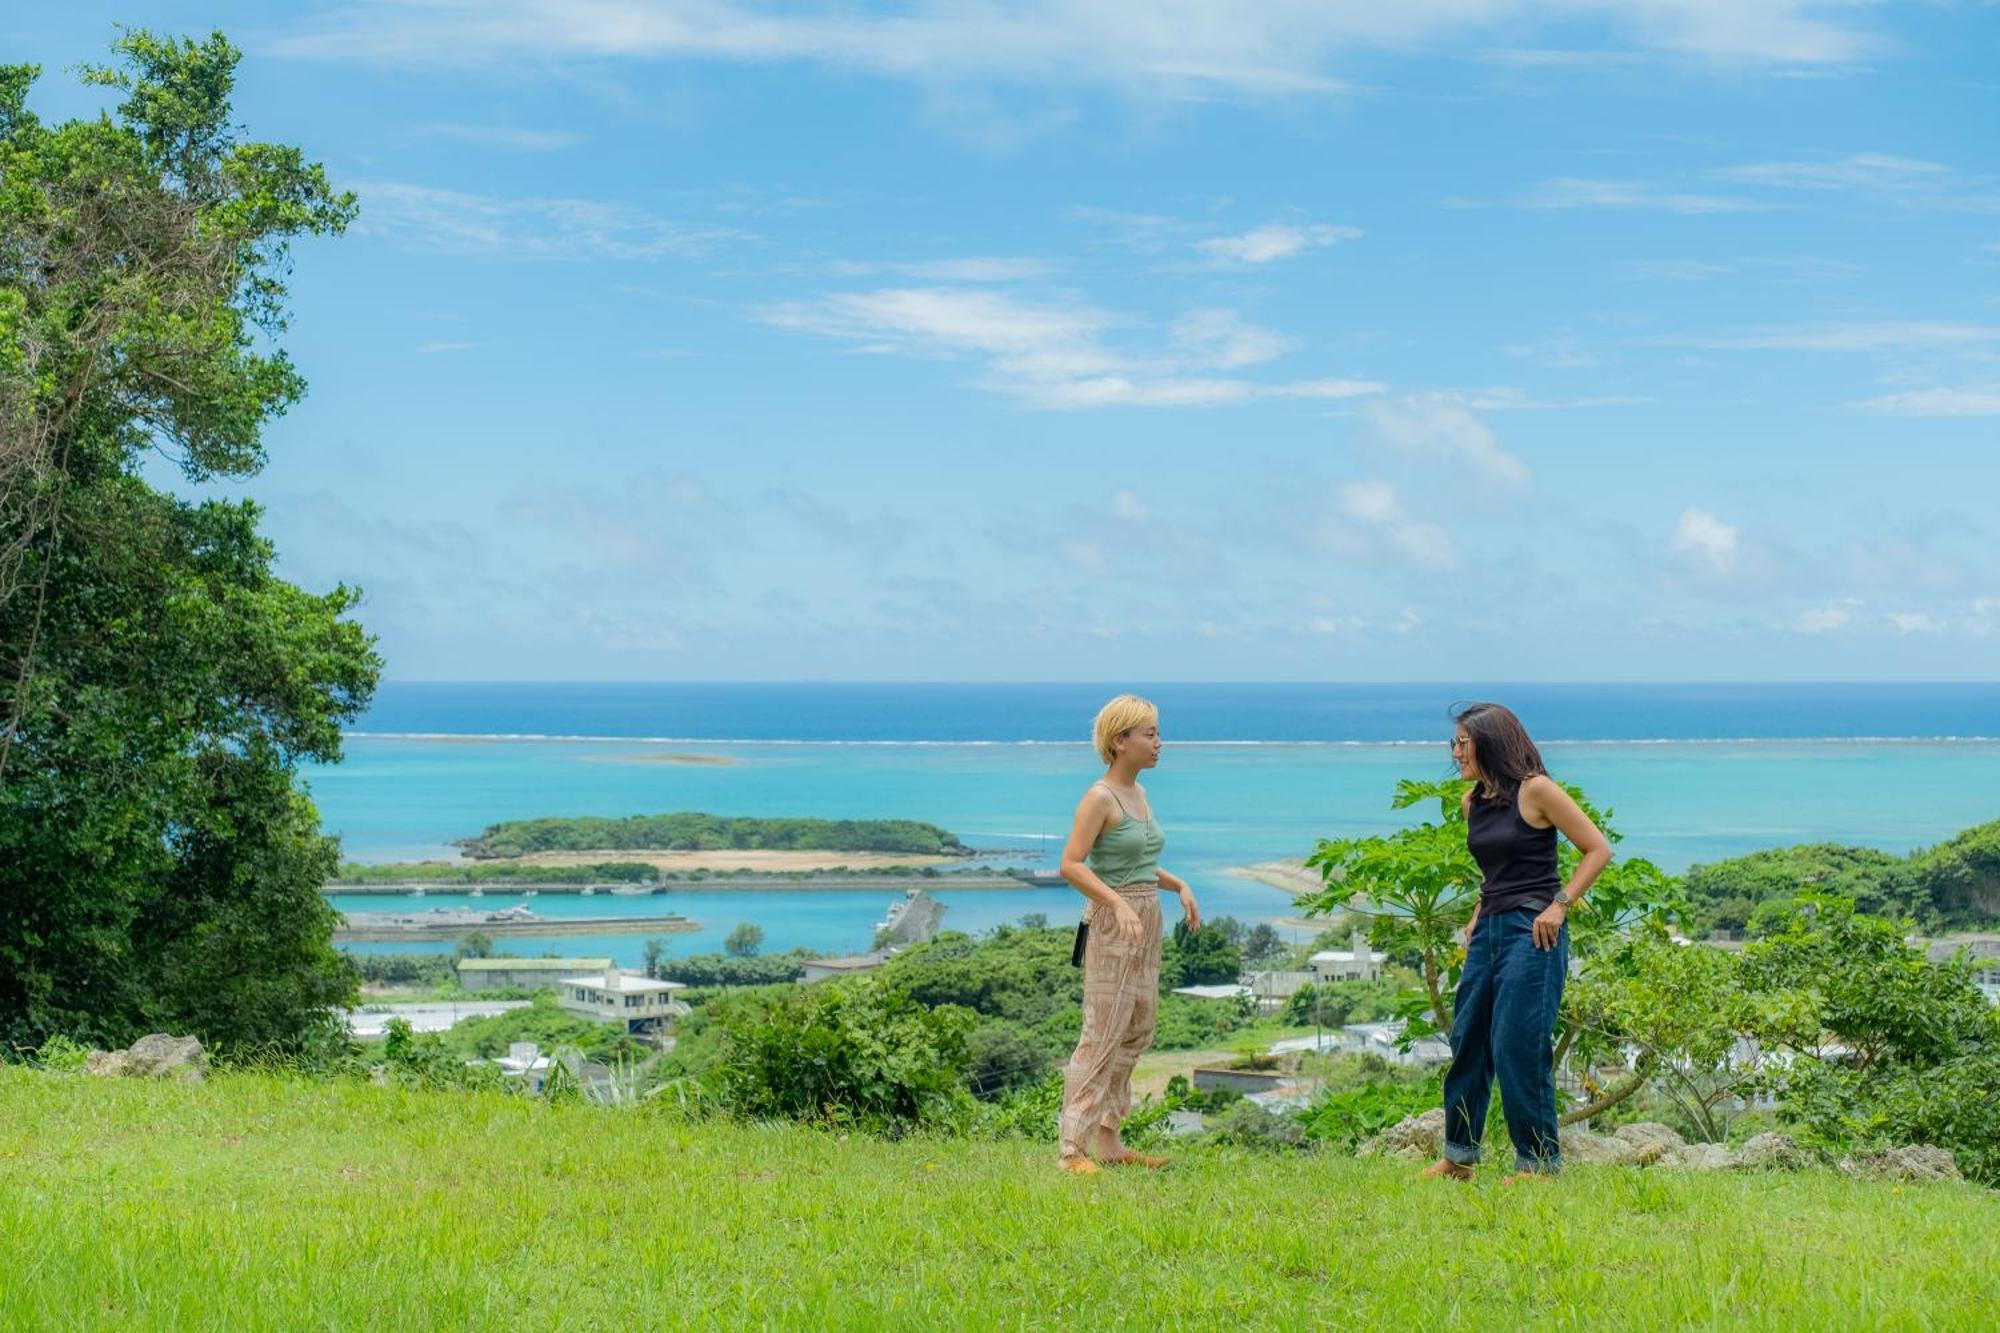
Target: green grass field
(254, 1202)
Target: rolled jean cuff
(1539, 1166)
(1462, 1155)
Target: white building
(1357, 962)
(617, 996)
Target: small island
(660, 853)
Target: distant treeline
(692, 832)
(1953, 886)
(446, 872)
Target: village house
(616, 996)
(1357, 962)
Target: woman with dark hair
(1517, 946)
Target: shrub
(857, 1051)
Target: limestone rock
(1698, 1157)
(155, 1056)
(1416, 1138)
(106, 1064)
(1580, 1145)
(1650, 1133)
(1917, 1161)
(1772, 1152)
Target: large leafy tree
(159, 687)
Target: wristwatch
(1562, 896)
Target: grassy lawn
(254, 1202)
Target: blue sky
(1175, 340)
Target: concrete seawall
(719, 884)
(370, 928)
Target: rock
(1917, 1161)
(156, 1056)
(106, 1064)
(1580, 1145)
(1698, 1157)
(1772, 1152)
(1416, 1138)
(1650, 1132)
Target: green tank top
(1129, 851)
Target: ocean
(1692, 773)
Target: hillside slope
(254, 1202)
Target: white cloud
(529, 228)
(1707, 540)
(434, 348)
(1275, 47)
(1443, 425)
(1858, 171)
(1222, 338)
(1984, 618)
(1128, 506)
(1407, 621)
(1375, 505)
(1826, 619)
(1982, 401)
(1275, 240)
(1058, 355)
(1849, 336)
(1580, 192)
(510, 137)
(1914, 622)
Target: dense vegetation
(159, 685)
(446, 872)
(1953, 886)
(693, 832)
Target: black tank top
(1517, 859)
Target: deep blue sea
(1251, 773)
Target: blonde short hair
(1122, 716)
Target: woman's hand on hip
(1188, 906)
(1548, 926)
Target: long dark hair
(1501, 747)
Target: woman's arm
(1546, 799)
(1093, 815)
(1180, 886)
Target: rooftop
(625, 983)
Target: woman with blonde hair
(1113, 859)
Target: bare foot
(1446, 1169)
(1079, 1166)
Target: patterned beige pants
(1121, 1000)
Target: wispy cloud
(1857, 171)
(1275, 240)
(530, 228)
(1443, 426)
(511, 138)
(1279, 48)
(1585, 192)
(1827, 618)
(1058, 354)
(1849, 336)
(434, 348)
(1979, 401)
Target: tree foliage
(159, 687)
(695, 832)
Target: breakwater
(455, 923)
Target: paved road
(372, 1020)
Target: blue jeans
(1503, 1024)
